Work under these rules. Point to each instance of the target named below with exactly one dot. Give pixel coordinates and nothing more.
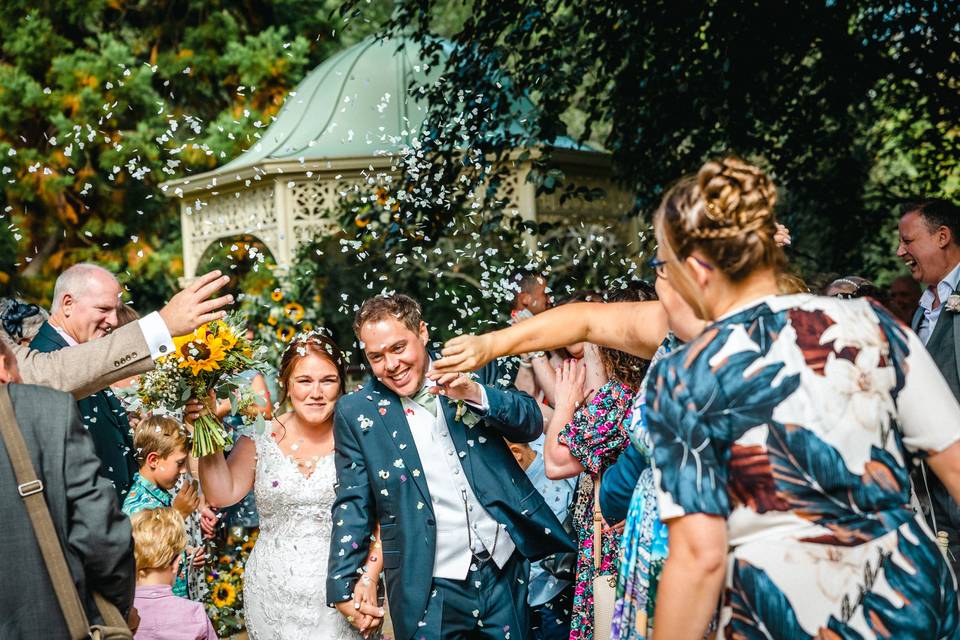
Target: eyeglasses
(660, 266)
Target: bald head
(85, 299)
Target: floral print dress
(796, 419)
(596, 437)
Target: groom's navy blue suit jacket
(380, 479)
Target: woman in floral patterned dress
(782, 438)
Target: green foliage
(843, 102)
(462, 277)
(100, 101)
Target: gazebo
(344, 122)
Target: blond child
(161, 445)
(159, 538)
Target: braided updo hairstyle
(725, 212)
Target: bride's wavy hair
(315, 343)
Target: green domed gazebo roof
(349, 117)
(354, 104)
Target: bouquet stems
(208, 434)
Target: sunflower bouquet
(205, 361)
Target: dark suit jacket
(944, 348)
(372, 435)
(94, 534)
(105, 418)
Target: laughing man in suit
(425, 456)
(930, 247)
(85, 299)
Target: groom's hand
(362, 615)
(456, 386)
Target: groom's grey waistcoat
(380, 479)
(944, 348)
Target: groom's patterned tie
(426, 400)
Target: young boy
(161, 446)
(158, 543)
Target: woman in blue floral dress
(784, 434)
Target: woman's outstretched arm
(634, 327)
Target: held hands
(190, 308)
(363, 615)
(465, 353)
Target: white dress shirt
(945, 288)
(456, 509)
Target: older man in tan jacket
(131, 349)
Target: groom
(424, 456)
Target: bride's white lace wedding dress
(284, 590)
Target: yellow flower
(361, 221)
(294, 310)
(227, 337)
(201, 354)
(285, 333)
(272, 321)
(224, 594)
(277, 295)
(307, 326)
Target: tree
(101, 101)
(795, 86)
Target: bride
(290, 467)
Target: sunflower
(285, 333)
(224, 594)
(201, 354)
(277, 295)
(227, 337)
(272, 321)
(294, 310)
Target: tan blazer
(86, 368)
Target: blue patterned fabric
(643, 548)
(795, 419)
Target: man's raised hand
(190, 308)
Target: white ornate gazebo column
(227, 215)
